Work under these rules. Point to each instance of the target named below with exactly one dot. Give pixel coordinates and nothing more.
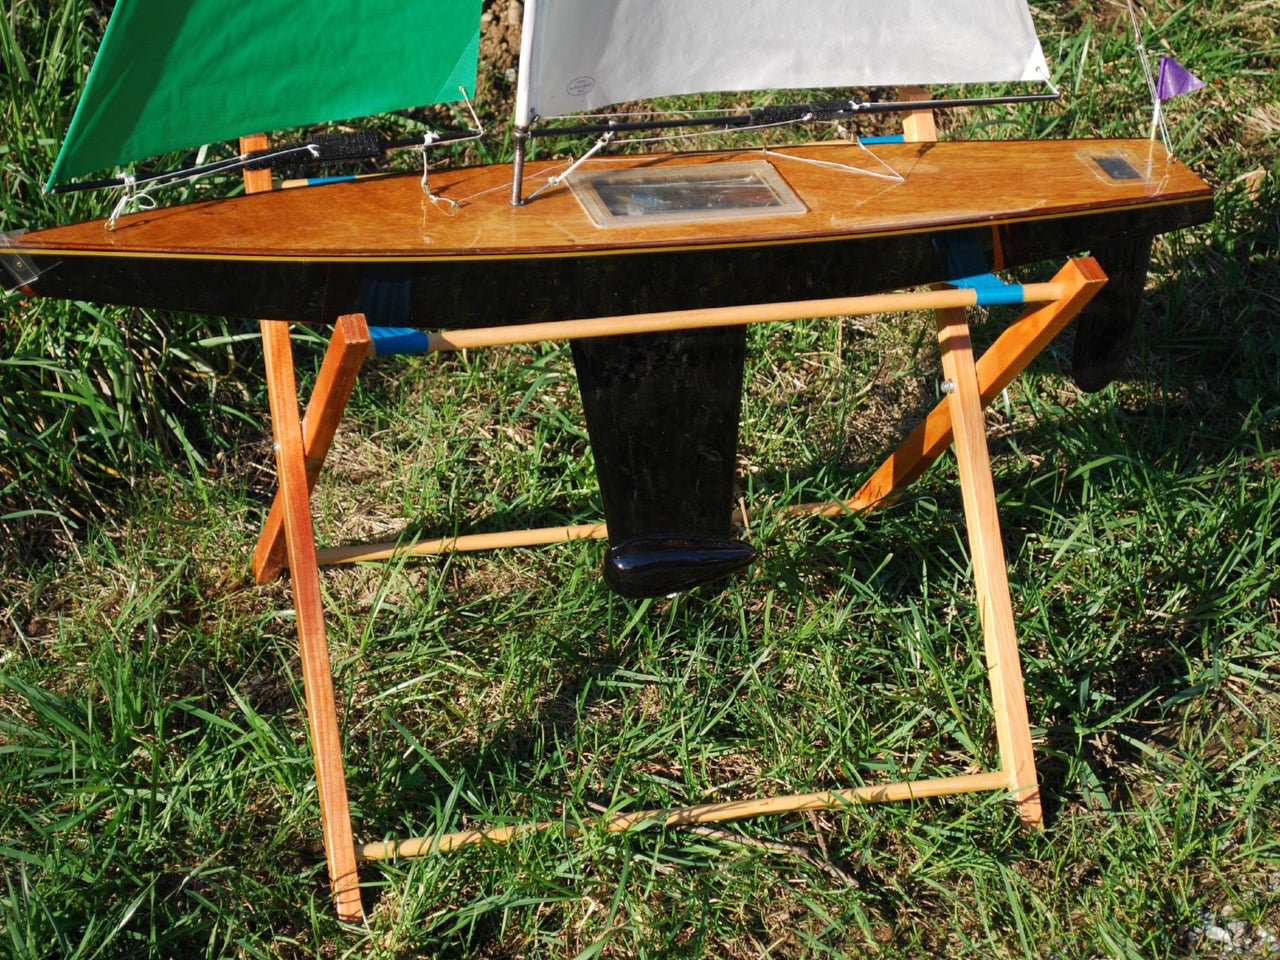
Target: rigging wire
(893, 175)
(1157, 114)
(558, 178)
(361, 145)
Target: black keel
(662, 411)
(1104, 329)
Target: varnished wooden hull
(382, 248)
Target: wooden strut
(348, 347)
(723, 317)
(991, 580)
(299, 536)
(701, 813)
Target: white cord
(130, 196)
(1157, 114)
(893, 175)
(429, 139)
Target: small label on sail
(719, 191)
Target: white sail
(580, 55)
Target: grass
(157, 795)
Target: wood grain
(918, 126)
(317, 676)
(947, 184)
(702, 813)
(463, 543)
(347, 350)
(995, 608)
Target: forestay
(173, 74)
(580, 55)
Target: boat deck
(944, 184)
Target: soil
(499, 55)
(500, 35)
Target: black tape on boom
(338, 147)
(323, 148)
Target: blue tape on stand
(316, 181)
(389, 340)
(966, 265)
(892, 138)
(991, 293)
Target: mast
(523, 119)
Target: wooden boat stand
(301, 444)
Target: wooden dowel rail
(725, 317)
(538, 536)
(702, 813)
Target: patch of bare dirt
(500, 35)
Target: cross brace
(287, 539)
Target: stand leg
(294, 515)
(999, 366)
(995, 610)
(317, 678)
(347, 350)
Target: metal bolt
(948, 386)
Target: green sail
(173, 74)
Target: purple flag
(1175, 79)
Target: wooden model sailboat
(511, 244)
(533, 241)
